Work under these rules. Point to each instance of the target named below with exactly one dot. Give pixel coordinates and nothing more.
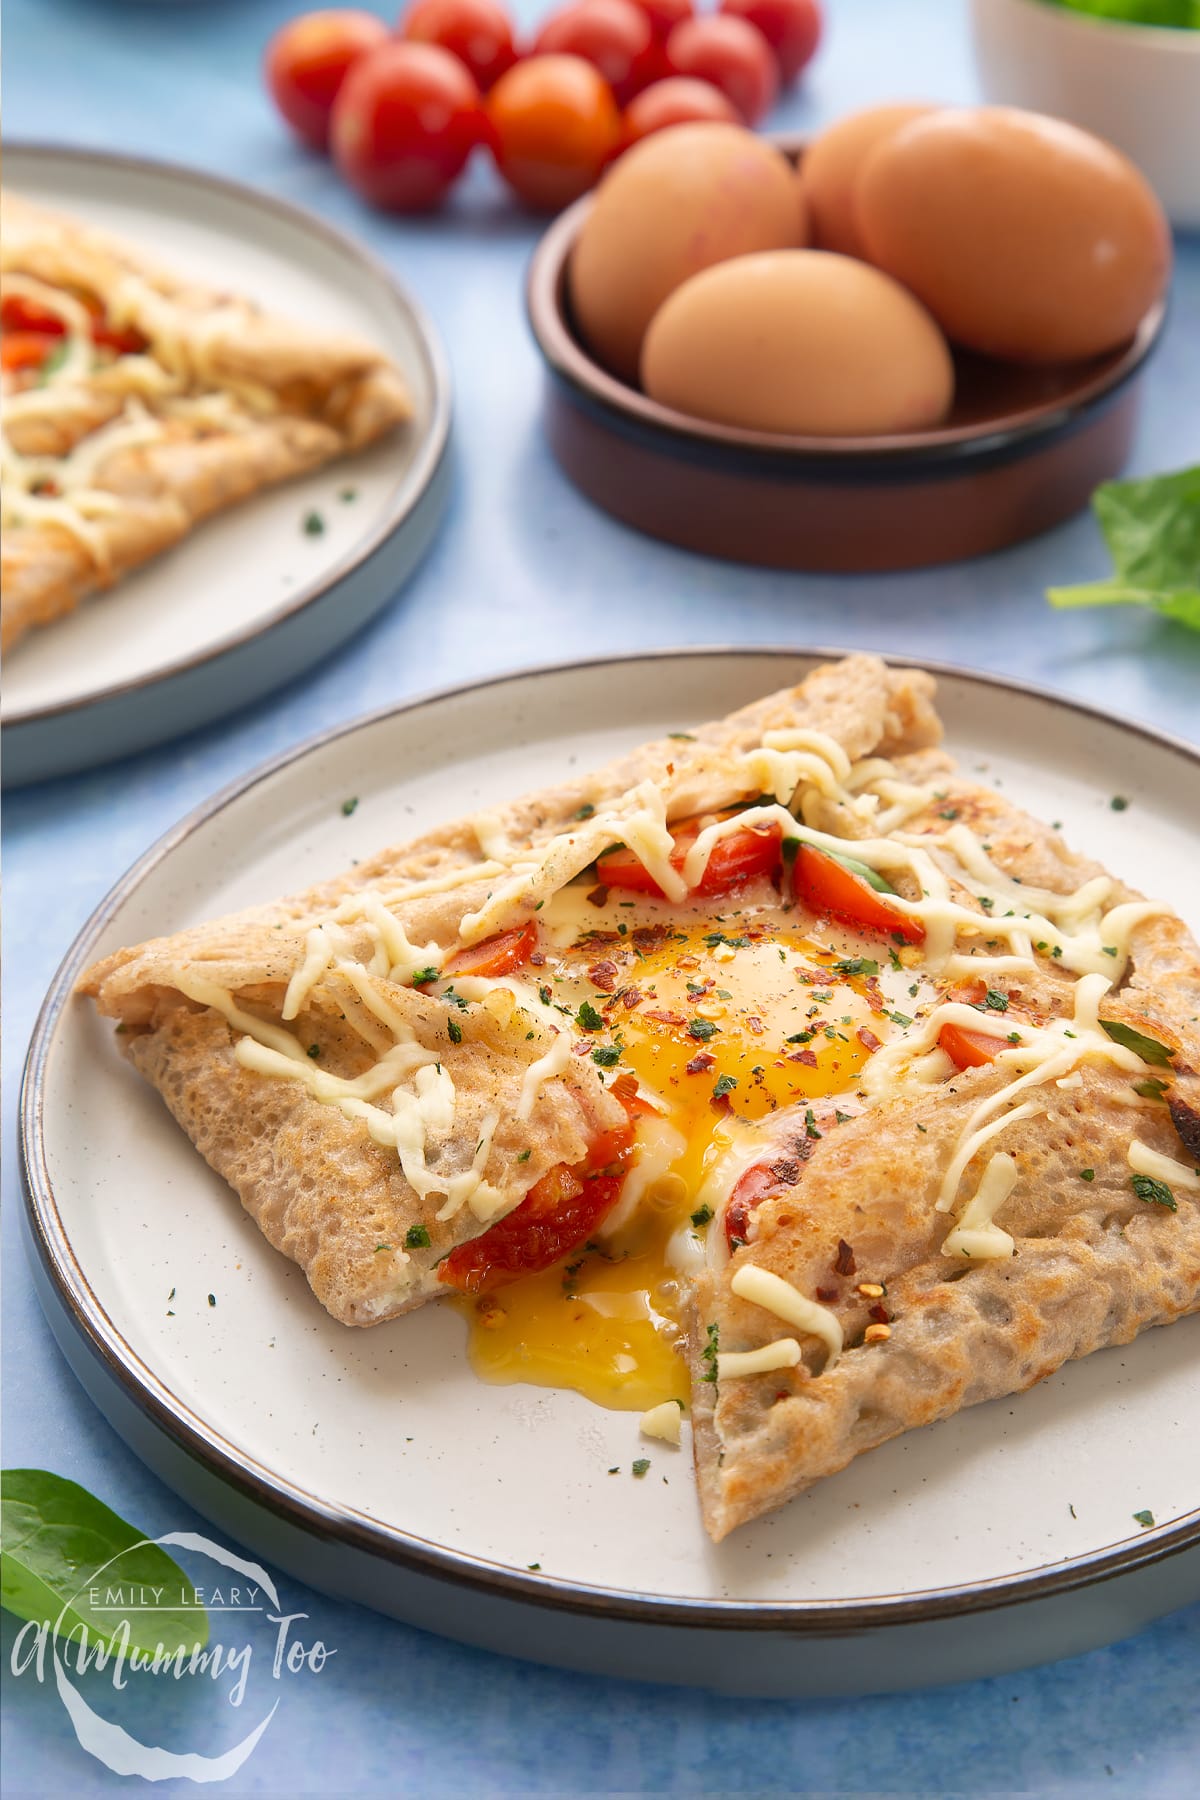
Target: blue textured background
(526, 571)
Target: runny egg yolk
(723, 1018)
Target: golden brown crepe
(161, 404)
(911, 1167)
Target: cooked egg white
(699, 1004)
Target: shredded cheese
(663, 1421)
(784, 1353)
(1145, 1161)
(778, 1296)
(976, 1235)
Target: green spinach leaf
(66, 1553)
(1152, 527)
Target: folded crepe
(137, 404)
(970, 1190)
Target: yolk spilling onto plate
(722, 1019)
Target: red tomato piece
(559, 1213)
(750, 1190)
(478, 32)
(791, 27)
(829, 887)
(308, 60)
(742, 856)
(498, 955)
(678, 100)
(613, 35)
(665, 15)
(404, 125)
(732, 55)
(19, 314)
(25, 349)
(555, 125)
(968, 1049)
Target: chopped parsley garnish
(416, 1238)
(790, 850)
(840, 1118)
(899, 1018)
(533, 1567)
(986, 901)
(1119, 803)
(639, 1468)
(701, 1216)
(525, 1156)
(314, 1050)
(587, 1018)
(349, 806)
(996, 1000)
(544, 994)
(1145, 1518)
(710, 1352)
(454, 1031)
(702, 1029)
(683, 737)
(421, 976)
(1150, 1089)
(810, 1123)
(212, 1299)
(715, 938)
(314, 524)
(801, 1037)
(1109, 949)
(1148, 1048)
(380, 1247)
(585, 811)
(347, 495)
(856, 965)
(607, 1056)
(725, 1085)
(948, 812)
(1087, 1174)
(1156, 1192)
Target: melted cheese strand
(784, 1353)
(1145, 1161)
(778, 1296)
(975, 1137)
(976, 1235)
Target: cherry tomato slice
(25, 349)
(791, 27)
(555, 125)
(968, 1049)
(308, 60)
(478, 32)
(20, 314)
(732, 55)
(742, 856)
(405, 122)
(613, 35)
(829, 887)
(757, 1184)
(498, 955)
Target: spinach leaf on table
(59, 1541)
(1152, 527)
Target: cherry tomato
(828, 886)
(741, 856)
(555, 125)
(559, 1212)
(498, 955)
(404, 125)
(613, 35)
(478, 32)
(676, 101)
(25, 350)
(732, 55)
(308, 60)
(665, 15)
(20, 314)
(791, 27)
(968, 1049)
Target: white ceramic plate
(249, 599)
(374, 1463)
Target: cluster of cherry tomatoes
(402, 110)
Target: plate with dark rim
(375, 1465)
(1023, 449)
(257, 594)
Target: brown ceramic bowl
(1022, 450)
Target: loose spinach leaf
(1152, 528)
(64, 1550)
(1183, 14)
(1148, 1048)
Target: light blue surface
(526, 571)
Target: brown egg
(1025, 237)
(676, 203)
(830, 166)
(799, 341)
